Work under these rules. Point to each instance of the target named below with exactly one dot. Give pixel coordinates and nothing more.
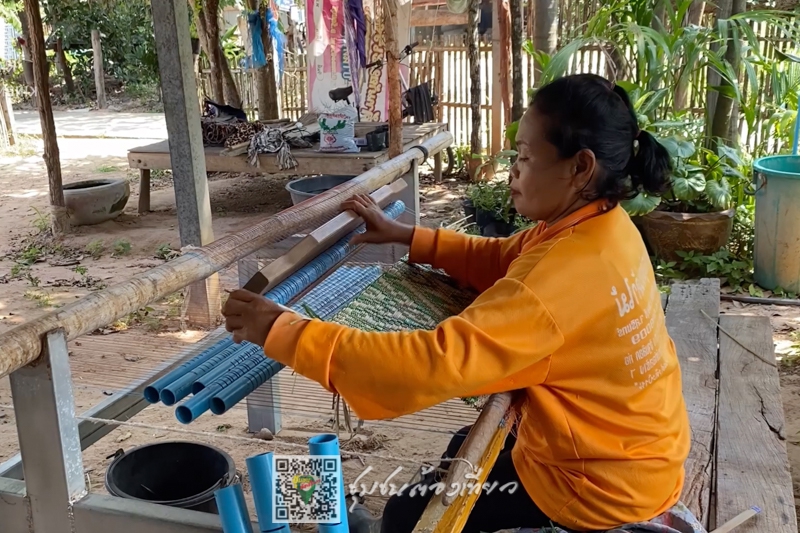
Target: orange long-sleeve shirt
(571, 315)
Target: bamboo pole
(22, 345)
(448, 510)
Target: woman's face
(544, 186)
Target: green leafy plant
(492, 197)
(702, 181)
(96, 249)
(122, 247)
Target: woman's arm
(385, 375)
(475, 261)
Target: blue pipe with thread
(234, 393)
(259, 467)
(152, 393)
(201, 402)
(248, 352)
(233, 510)
(180, 388)
(328, 444)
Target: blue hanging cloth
(259, 58)
(279, 40)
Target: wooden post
(517, 105)
(393, 78)
(187, 155)
(8, 115)
(99, 76)
(475, 84)
(63, 66)
(497, 80)
(59, 220)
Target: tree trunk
(59, 220)
(26, 35)
(545, 29)
(723, 11)
(393, 78)
(267, 88)
(517, 103)
(723, 110)
(474, 17)
(63, 66)
(695, 14)
(203, 32)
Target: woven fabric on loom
(405, 297)
(338, 289)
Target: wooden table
(738, 457)
(309, 161)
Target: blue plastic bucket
(777, 222)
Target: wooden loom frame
(35, 355)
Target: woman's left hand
(250, 317)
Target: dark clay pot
(195, 46)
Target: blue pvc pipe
(233, 510)
(250, 354)
(152, 393)
(254, 378)
(328, 444)
(201, 402)
(181, 387)
(259, 467)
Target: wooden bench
(738, 458)
(156, 156)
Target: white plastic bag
(337, 131)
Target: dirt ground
(38, 275)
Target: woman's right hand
(380, 228)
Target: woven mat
(405, 297)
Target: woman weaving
(568, 313)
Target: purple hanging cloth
(356, 37)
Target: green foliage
(492, 197)
(96, 249)
(127, 30)
(121, 247)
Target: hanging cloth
(355, 34)
(278, 43)
(259, 58)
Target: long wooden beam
(448, 510)
(436, 17)
(22, 345)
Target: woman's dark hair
(586, 111)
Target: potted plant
(494, 211)
(696, 214)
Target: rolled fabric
(181, 387)
(250, 354)
(233, 510)
(259, 467)
(152, 393)
(234, 393)
(328, 444)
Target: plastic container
(304, 188)
(176, 474)
(777, 222)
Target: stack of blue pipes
(224, 373)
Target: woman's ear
(583, 167)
